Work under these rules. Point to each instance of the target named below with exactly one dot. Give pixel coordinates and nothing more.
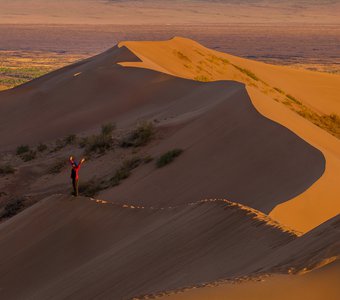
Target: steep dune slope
(229, 151)
(65, 247)
(267, 85)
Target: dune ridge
(253, 213)
(83, 254)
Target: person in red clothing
(74, 174)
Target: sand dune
(152, 233)
(316, 90)
(248, 158)
(64, 247)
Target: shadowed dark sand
(76, 248)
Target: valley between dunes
(252, 196)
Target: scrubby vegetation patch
(140, 136)
(6, 170)
(168, 157)
(12, 208)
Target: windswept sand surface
(81, 249)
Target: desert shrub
(201, 78)
(247, 72)
(108, 129)
(41, 147)
(215, 59)
(62, 143)
(330, 123)
(98, 144)
(13, 207)
(147, 159)
(90, 188)
(29, 156)
(22, 149)
(125, 170)
(57, 166)
(83, 142)
(168, 157)
(290, 97)
(224, 60)
(70, 139)
(182, 56)
(59, 144)
(279, 90)
(140, 136)
(6, 169)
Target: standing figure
(74, 174)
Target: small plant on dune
(168, 157)
(201, 78)
(22, 149)
(29, 156)
(216, 60)
(247, 72)
(57, 166)
(41, 147)
(279, 90)
(290, 97)
(83, 142)
(13, 207)
(223, 60)
(26, 153)
(6, 169)
(125, 170)
(330, 123)
(147, 159)
(70, 139)
(108, 129)
(62, 143)
(199, 52)
(140, 136)
(182, 56)
(98, 144)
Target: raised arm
(82, 161)
(71, 160)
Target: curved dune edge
(320, 202)
(250, 212)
